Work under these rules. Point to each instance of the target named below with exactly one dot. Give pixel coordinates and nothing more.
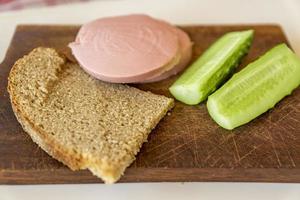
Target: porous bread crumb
(83, 122)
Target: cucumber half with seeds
(212, 68)
(256, 88)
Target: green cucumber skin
(212, 68)
(256, 88)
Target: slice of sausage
(126, 49)
(186, 54)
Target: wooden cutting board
(185, 146)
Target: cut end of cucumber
(246, 34)
(186, 94)
(217, 116)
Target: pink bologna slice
(186, 54)
(125, 49)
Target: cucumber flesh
(256, 88)
(212, 68)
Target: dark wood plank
(186, 145)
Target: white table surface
(283, 12)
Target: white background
(283, 12)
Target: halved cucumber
(210, 70)
(256, 88)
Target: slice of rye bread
(83, 122)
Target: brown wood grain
(185, 146)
